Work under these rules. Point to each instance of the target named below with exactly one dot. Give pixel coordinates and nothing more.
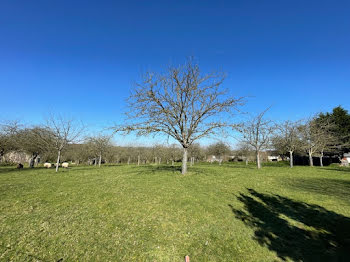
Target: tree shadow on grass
(11, 169)
(295, 230)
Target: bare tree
(181, 103)
(316, 136)
(196, 152)
(257, 133)
(64, 131)
(8, 137)
(288, 138)
(35, 141)
(99, 145)
(244, 150)
(327, 139)
(219, 149)
(175, 153)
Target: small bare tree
(316, 136)
(288, 138)
(245, 151)
(99, 145)
(64, 132)
(196, 152)
(181, 103)
(257, 133)
(219, 149)
(326, 137)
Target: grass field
(153, 213)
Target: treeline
(40, 144)
(324, 135)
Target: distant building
(274, 158)
(347, 156)
(345, 161)
(213, 158)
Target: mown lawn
(153, 213)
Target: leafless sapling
(257, 133)
(64, 131)
(288, 138)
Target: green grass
(153, 213)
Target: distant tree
(175, 153)
(158, 152)
(287, 138)
(244, 150)
(327, 138)
(316, 136)
(129, 154)
(181, 103)
(196, 152)
(98, 146)
(138, 152)
(256, 133)
(112, 155)
(78, 153)
(64, 132)
(8, 137)
(35, 141)
(219, 149)
(340, 120)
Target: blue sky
(80, 58)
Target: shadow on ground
(10, 169)
(295, 230)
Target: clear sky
(80, 58)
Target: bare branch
(181, 103)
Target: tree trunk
(32, 161)
(159, 160)
(321, 159)
(246, 161)
(184, 162)
(99, 160)
(172, 162)
(1, 155)
(138, 160)
(311, 162)
(258, 160)
(128, 160)
(291, 159)
(58, 160)
(36, 161)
